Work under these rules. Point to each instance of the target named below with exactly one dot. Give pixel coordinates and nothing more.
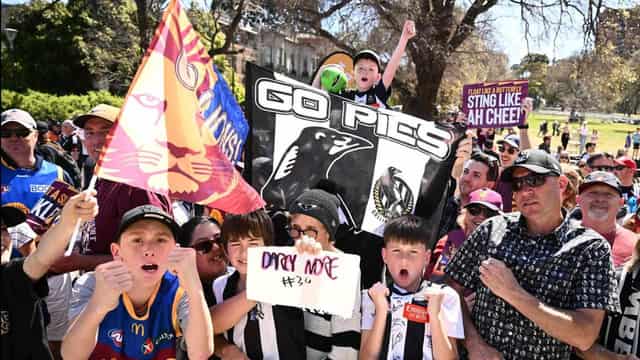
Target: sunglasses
(21, 133)
(511, 150)
(532, 180)
(475, 210)
(205, 247)
(619, 167)
(603, 168)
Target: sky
(510, 35)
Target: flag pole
(76, 229)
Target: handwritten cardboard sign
(44, 212)
(328, 282)
(494, 105)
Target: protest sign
(280, 275)
(49, 206)
(494, 105)
(388, 163)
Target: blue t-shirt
(26, 186)
(124, 335)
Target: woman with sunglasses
(203, 234)
(483, 204)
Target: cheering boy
(134, 307)
(414, 319)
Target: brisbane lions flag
(162, 140)
(388, 163)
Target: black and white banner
(389, 163)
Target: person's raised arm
(408, 32)
(112, 279)
(226, 314)
(199, 331)
(444, 347)
(82, 206)
(527, 107)
(371, 340)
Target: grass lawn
(611, 135)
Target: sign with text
(45, 211)
(495, 104)
(281, 276)
(388, 163)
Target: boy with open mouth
(412, 319)
(136, 306)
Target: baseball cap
(486, 197)
(512, 140)
(600, 177)
(18, 116)
(13, 214)
(626, 162)
(535, 160)
(320, 205)
(148, 212)
(42, 126)
(368, 54)
(102, 111)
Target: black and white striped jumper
(331, 336)
(267, 332)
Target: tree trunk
(143, 24)
(429, 73)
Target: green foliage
(534, 67)
(44, 56)
(109, 43)
(47, 106)
(204, 23)
(76, 46)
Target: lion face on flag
(168, 146)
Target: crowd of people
(536, 258)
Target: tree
(44, 55)
(440, 30)
(534, 68)
(109, 44)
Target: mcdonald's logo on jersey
(138, 329)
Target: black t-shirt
(24, 333)
(377, 96)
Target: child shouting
(372, 88)
(134, 307)
(414, 319)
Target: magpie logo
(308, 160)
(392, 196)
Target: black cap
(537, 161)
(368, 54)
(42, 126)
(13, 214)
(320, 205)
(148, 212)
(600, 177)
